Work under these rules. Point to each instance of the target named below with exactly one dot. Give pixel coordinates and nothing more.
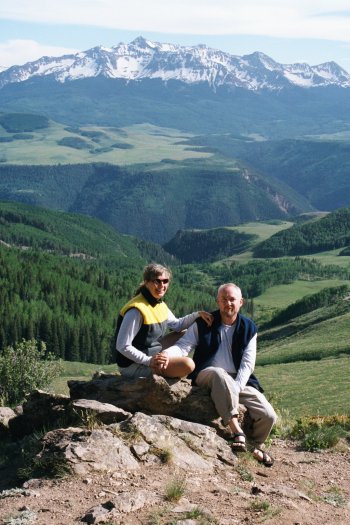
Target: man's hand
(207, 317)
(159, 363)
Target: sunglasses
(161, 281)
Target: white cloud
(325, 19)
(20, 51)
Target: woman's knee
(188, 365)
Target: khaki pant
(135, 371)
(226, 397)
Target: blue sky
(289, 31)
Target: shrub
(175, 490)
(316, 433)
(322, 438)
(24, 368)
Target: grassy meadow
(132, 145)
(323, 339)
(78, 371)
(308, 388)
(298, 389)
(282, 295)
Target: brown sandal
(238, 446)
(266, 459)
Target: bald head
(229, 300)
(229, 285)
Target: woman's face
(159, 285)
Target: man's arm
(247, 364)
(185, 344)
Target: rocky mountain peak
(144, 59)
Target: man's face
(229, 301)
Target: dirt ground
(302, 488)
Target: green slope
(308, 388)
(151, 201)
(326, 233)
(315, 167)
(69, 233)
(321, 333)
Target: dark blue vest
(209, 341)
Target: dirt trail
(301, 488)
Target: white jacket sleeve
(182, 323)
(185, 344)
(247, 364)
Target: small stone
(87, 481)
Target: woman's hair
(151, 272)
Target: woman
(142, 323)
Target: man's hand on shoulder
(207, 317)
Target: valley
(72, 302)
(226, 168)
(59, 144)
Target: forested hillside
(315, 167)
(192, 246)
(328, 233)
(72, 303)
(153, 201)
(70, 234)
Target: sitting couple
(224, 344)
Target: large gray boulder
(85, 451)
(140, 439)
(155, 395)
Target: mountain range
(195, 89)
(143, 59)
(274, 138)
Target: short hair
(152, 270)
(226, 285)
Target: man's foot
(263, 457)
(238, 443)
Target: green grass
(79, 372)
(304, 388)
(331, 257)
(262, 230)
(307, 338)
(143, 143)
(308, 388)
(280, 296)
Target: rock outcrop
(155, 395)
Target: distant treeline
(191, 246)
(22, 122)
(72, 304)
(328, 233)
(255, 277)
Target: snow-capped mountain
(143, 59)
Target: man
(224, 356)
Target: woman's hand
(159, 363)
(207, 317)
